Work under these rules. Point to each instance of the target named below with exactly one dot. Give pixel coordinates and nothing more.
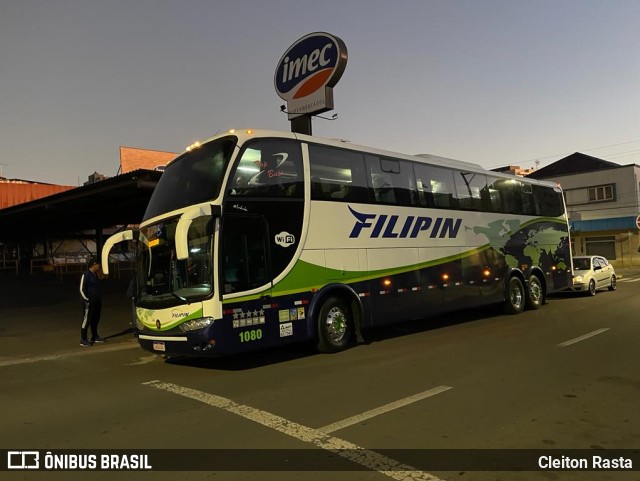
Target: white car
(591, 273)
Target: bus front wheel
(335, 325)
(515, 301)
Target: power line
(628, 153)
(538, 159)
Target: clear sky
(495, 82)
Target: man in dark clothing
(132, 292)
(91, 292)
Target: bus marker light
(386, 282)
(249, 131)
(445, 277)
(553, 268)
(486, 272)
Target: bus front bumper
(196, 343)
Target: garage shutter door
(601, 246)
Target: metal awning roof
(107, 203)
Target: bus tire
(335, 325)
(516, 297)
(535, 293)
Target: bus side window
(337, 174)
(548, 201)
(383, 189)
(391, 181)
(469, 186)
(511, 195)
(437, 186)
(269, 168)
(494, 201)
(425, 196)
(317, 191)
(528, 201)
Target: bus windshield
(161, 277)
(193, 178)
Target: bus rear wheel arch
(335, 324)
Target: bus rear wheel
(515, 301)
(535, 293)
(335, 325)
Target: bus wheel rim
(516, 296)
(336, 324)
(535, 291)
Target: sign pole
(301, 125)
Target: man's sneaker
(99, 339)
(84, 343)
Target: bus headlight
(195, 324)
(577, 280)
(139, 324)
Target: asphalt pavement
(41, 315)
(560, 377)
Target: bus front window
(193, 178)
(165, 279)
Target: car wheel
(515, 301)
(592, 288)
(535, 293)
(335, 325)
(613, 285)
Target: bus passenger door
(245, 263)
(245, 276)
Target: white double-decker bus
(261, 238)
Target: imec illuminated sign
(308, 71)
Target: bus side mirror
(116, 238)
(182, 229)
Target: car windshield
(581, 264)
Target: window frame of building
(601, 193)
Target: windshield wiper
(179, 297)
